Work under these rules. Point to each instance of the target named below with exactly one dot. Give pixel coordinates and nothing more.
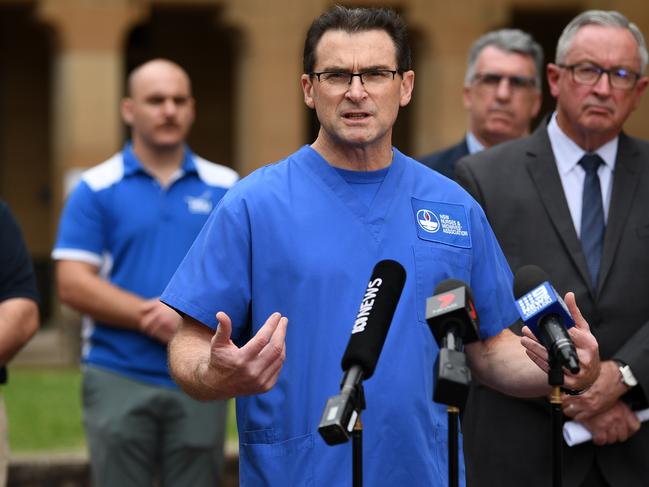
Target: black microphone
(451, 314)
(452, 318)
(359, 360)
(546, 314)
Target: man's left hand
(602, 395)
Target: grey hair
(609, 18)
(508, 40)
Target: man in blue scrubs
(124, 230)
(298, 239)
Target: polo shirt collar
(133, 165)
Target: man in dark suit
(572, 198)
(502, 94)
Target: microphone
(452, 318)
(365, 344)
(451, 315)
(546, 314)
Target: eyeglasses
(589, 74)
(492, 80)
(370, 78)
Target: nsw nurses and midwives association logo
(428, 220)
(445, 223)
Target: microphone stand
(341, 419)
(453, 447)
(357, 439)
(555, 379)
(452, 377)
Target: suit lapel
(625, 184)
(543, 170)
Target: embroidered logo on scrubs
(445, 223)
(428, 220)
(199, 204)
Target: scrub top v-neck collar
(375, 215)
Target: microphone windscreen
(546, 314)
(451, 308)
(374, 317)
(527, 278)
(449, 284)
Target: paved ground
(71, 470)
(50, 348)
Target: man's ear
(466, 98)
(553, 73)
(407, 85)
(126, 108)
(307, 89)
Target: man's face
(500, 107)
(356, 114)
(160, 110)
(593, 115)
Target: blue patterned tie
(592, 215)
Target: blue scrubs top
(122, 220)
(294, 237)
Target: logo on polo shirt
(200, 204)
(428, 220)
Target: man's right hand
(614, 425)
(251, 369)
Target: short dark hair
(358, 20)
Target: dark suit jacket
(444, 160)
(508, 440)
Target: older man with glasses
(502, 94)
(573, 198)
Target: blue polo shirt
(136, 232)
(295, 237)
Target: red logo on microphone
(472, 311)
(445, 300)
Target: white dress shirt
(567, 154)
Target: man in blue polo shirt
(123, 232)
(298, 240)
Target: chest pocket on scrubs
(435, 262)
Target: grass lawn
(44, 410)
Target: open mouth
(356, 115)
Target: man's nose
(504, 89)
(356, 89)
(169, 107)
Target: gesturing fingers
(580, 321)
(271, 357)
(223, 331)
(534, 349)
(263, 337)
(253, 368)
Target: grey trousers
(137, 432)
